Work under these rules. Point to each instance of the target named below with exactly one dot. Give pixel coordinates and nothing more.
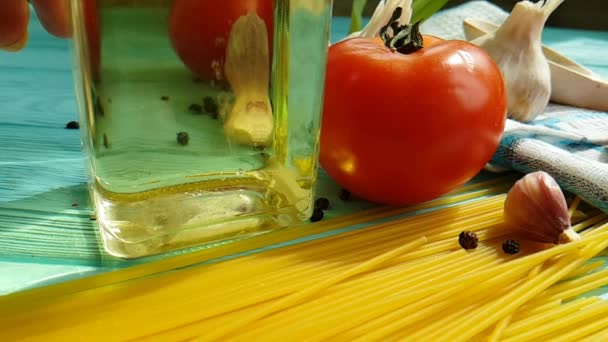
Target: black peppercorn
(468, 239)
(72, 125)
(322, 203)
(210, 106)
(344, 195)
(195, 108)
(317, 215)
(510, 247)
(183, 138)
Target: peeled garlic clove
(517, 50)
(247, 69)
(250, 123)
(536, 208)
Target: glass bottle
(200, 118)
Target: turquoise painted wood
(46, 234)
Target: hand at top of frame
(15, 15)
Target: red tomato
(406, 128)
(93, 36)
(199, 31)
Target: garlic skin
(517, 50)
(536, 208)
(247, 69)
(382, 15)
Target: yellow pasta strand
(500, 327)
(548, 254)
(406, 279)
(535, 271)
(574, 206)
(469, 299)
(220, 298)
(342, 301)
(202, 303)
(438, 292)
(18, 301)
(504, 322)
(558, 322)
(529, 310)
(390, 286)
(301, 295)
(585, 269)
(576, 287)
(529, 323)
(600, 335)
(474, 295)
(589, 222)
(507, 304)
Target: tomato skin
(406, 128)
(92, 28)
(199, 31)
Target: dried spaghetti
(407, 278)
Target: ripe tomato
(93, 36)
(199, 31)
(407, 128)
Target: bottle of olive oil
(200, 117)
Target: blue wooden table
(46, 234)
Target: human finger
(14, 18)
(54, 16)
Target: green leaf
(356, 17)
(421, 10)
(424, 9)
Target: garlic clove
(250, 123)
(536, 208)
(517, 50)
(247, 69)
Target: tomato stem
(401, 38)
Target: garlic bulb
(382, 15)
(517, 50)
(247, 69)
(536, 208)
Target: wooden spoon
(571, 83)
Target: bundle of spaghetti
(476, 190)
(261, 277)
(404, 278)
(427, 307)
